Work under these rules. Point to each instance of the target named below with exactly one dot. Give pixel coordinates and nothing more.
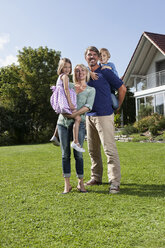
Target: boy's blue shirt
(112, 66)
(103, 102)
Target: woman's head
(81, 73)
(64, 66)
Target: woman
(85, 99)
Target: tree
(38, 72)
(25, 94)
(129, 112)
(14, 104)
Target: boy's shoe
(76, 147)
(55, 141)
(114, 189)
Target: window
(160, 66)
(150, 103)
(140, 103)
(160, 103)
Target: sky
(70, 26)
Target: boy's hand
(94, 75)
(106, 67)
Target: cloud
(4, 39)
(10, 59)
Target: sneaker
(76, 147)
(114, 189)
(55, 141)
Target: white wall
(159, 56)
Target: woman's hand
(72, 116)
(81, 111)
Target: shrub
(153, 123)
(129, 129)
(154, 130)
(138, 138)
(117, 120)
(160, 137)
(145, 111)
(162, 123)
(6, 139)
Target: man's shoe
(114, 189)
(92, 182)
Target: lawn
(34, 213)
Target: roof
(157, 39)
(144, 53)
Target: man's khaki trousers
(100, 130)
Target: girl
(63, 100)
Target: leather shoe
(92, 182)
(82, 191)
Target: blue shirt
(112, 66)
(103, 102)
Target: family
(87, 107)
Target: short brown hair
(92, 48)
(105, 50)
(61, 65)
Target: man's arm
(121, 94)
(112, 79)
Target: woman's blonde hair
(106, 51)
(83, 67)
(61, 65)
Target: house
(145, 73)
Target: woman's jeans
(65, 136)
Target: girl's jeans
(65, 136)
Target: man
(100, 123)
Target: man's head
(92, 56)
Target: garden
(149, 128)
(35, 214)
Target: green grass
(34, 213)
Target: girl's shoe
(55, 141)
(70, 188)
(82, 191)
(76, 147)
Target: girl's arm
(88, 105)
(65, 80)
(79, 112)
